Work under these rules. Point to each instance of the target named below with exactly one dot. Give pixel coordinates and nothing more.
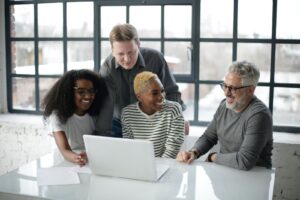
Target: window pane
(105, 50)
(263, 94)
(286, 110)
(110, 16)
(22, 57)
(210, 98)
(23, 93)
(151, 44)
(288, 22)
(80, 55)
(259, 54)
(215, 58)
(212, 95)
(187, 95)
(80, 19)
(21, 24)
(177, 55)
(178, 25)
(45, 84)
(50, 26)
(287, 63)
(146, 19)
(258, 25)
(216, 18)
(51, 58)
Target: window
(198, 38)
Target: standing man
(119, 69)
(242, 124)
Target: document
(84, 169)
(57, 176)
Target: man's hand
(186, 156)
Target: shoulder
(222, 106)
(146, 50)
(108, 63)
(108, 59)
(129, 109)
(257, 106)
(258, 112)
(173, 107)
(53, 118)
(149, 53)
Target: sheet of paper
(84, 169)
(57, 176)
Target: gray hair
(248, 72)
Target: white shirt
(75, 127)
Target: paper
(84, 169)
(57, 176)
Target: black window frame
(196, 39)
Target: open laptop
(120, 157)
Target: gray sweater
(246, 138)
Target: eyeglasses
(232, 89)
(83, 91)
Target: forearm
(172, 148)
(104, 119)
(69, 155)
(175, 138)
(203, 145)
(66, 151)
(247, 155)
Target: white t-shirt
(75, 127)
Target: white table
(200, 180)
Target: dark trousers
(117, 128)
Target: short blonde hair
(142, 80)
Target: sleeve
(103, 125)
(106, 73)
(175, 136)
(54, 124)
(207, 140)
(169, 83)
(104, 119)
(209, 137)
(258, 131)
(126, 130)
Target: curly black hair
(60, 97)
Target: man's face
(126, 53)
(152, 99)
(237, 99)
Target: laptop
(125, 158)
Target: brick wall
(22, 143)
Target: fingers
(191, 158)
(81, 159)
(186, 157)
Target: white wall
(3, 95)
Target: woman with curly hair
(70, 109)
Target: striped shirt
(164, 128)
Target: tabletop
(199, 180)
